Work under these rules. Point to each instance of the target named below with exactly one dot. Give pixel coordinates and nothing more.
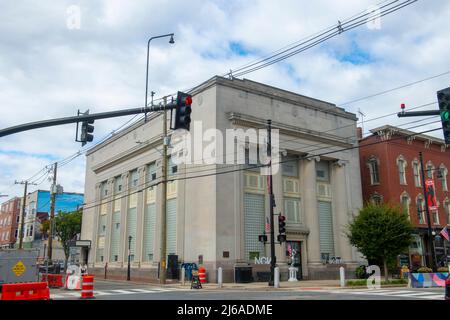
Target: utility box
(18, 266)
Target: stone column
(95, 212)
(340, 211)
(123, 242)
(106, 251)
(158, 217)
(309, 198)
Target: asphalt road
(125, 291)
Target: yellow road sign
(19, 268)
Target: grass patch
(363, 282)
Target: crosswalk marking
(434, 297)
(142, 290)
(66, 295)
(392, 293)
(122, 291)
(101, 293)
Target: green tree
(67, 226)
(45, 228)
(381, 232)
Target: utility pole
(272, 205)
(24, 204)
(430, 247)
(162, 259)
(52, 213)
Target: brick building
(391, 172)
(9, 218)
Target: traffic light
(281, 224)
(444, 107)
(183, 111)
(87, 128)
(262, 238)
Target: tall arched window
(447, 209)
(376, 198)
(373, 165)
(420, 203)
(416, 173)
(405, 200)
(443, 177)
(430, 170)
(401, 165)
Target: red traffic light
(188, 100)
(281, 218)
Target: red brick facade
(390, 185)
(10, 211)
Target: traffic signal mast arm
(444, 111)
(81, 118)
(419, 113)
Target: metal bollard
(219, 277)
(183, 273)
(276, 282)
(342, 276)
(447, 289)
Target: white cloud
(49, 71)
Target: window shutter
(131, 229)
(149, 231)
(254, 214)
(115, 235)
(326, 228)
(171, 220)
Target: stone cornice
(254, 122)
(128, 154)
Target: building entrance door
(294, 254)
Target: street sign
(19, 268)
(83, 243)
(431, 195)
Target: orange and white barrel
(87, 288)
(202, 274)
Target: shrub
(424, 270)
(363, 282)
(361, 272)
(442, 269)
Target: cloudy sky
(51, 66)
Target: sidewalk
(257, 286)
(284, 285)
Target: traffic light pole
(52, 214)
(81, 118)
(272, 205)
(430, 247)
(162, 259)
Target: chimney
(359, 133)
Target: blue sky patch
(357, 57)
(238, 48)
(354, 55)
(26, 154)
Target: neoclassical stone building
(215, 212)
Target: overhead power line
(149, 184)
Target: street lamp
(171, 41)
(129, 257)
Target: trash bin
(243, 274)
(188, 267)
